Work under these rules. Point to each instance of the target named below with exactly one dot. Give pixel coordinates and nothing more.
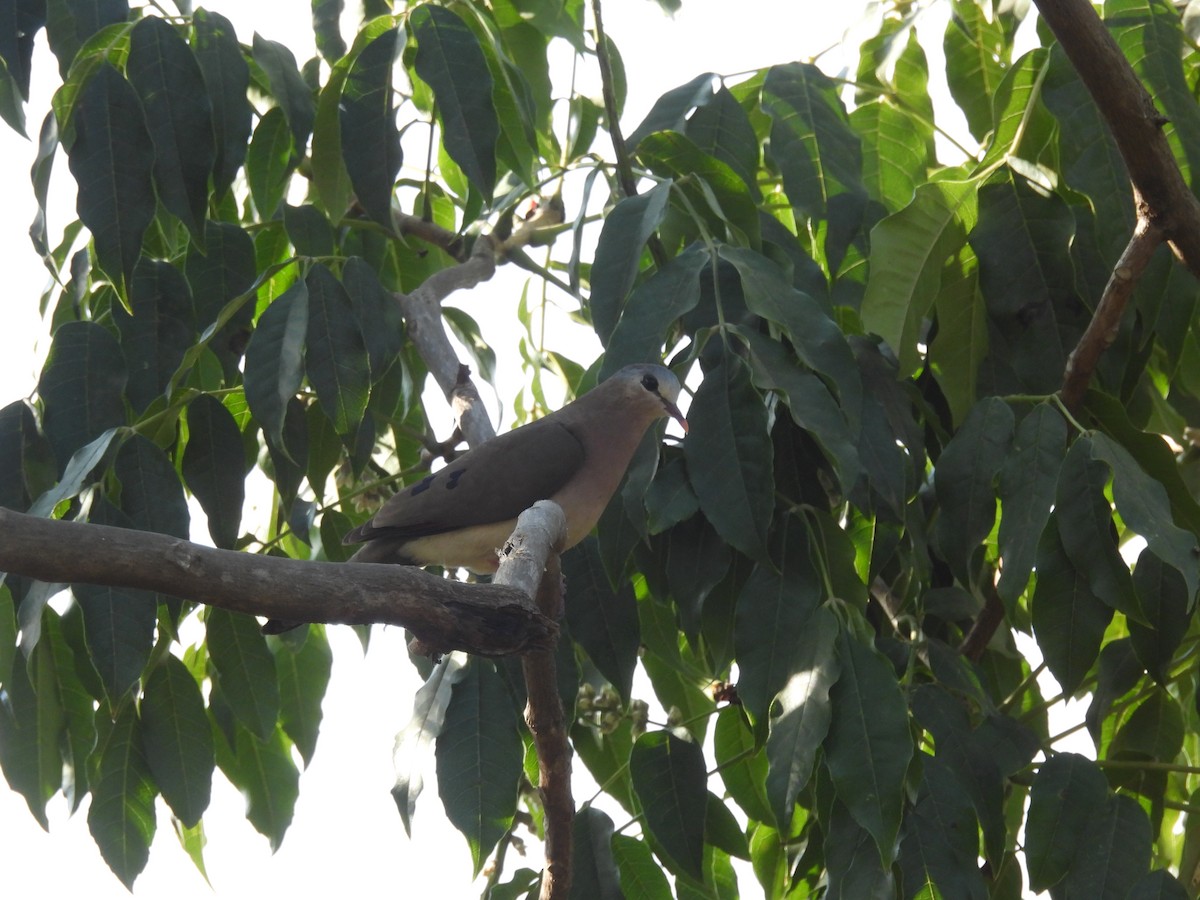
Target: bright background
(346, 836)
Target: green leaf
(303, 678)
(378, 315)
(815, 337)
(1154, 730)
(940, 846)
(121, 817)
(1068, 618)
(369, 139)
(270, 782)
(479, 754)
(269, 162)
(893, 152)
(69, 23)
(1146, 509)
(668, 776)
(651, 309)
(743, 768)
(1068, 799)
(151, 494)
(275, 359)
(774, 607)
(1027, 481)
(1115, 854)
(246, 670)
(412, 743)
(803, 718)
(118, 622)
(722, 129)
(178, 739)
(1086, 529)
(83, 461)
(728, 453)
(909, 250)
(961, 342)
(308, 230)
(669, 112)
(8, 634)
(603, 621)
(852, 859)
(619, 252)
(111, 159)
(1157, 885)
(81, 388)
(227, 78)
(31, 726)
(1166, 603)
(963, 479)
(221, 278)
(335, 356)
(716, 192)
(641, 876)
(214, 464)
(25, 463)
(977, 52)
(450, 60)
(156, 332)
(325, 19)
(869, 744)
(23, 20)
(593, 869)
(169, 84)
(288, 88)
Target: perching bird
(576, 456)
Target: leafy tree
(936, 404)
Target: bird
(459, 516)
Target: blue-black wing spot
(420, 486)
(452, 482)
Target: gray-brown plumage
(576, 456)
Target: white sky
(346, 835)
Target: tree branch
(488, 619)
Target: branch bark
(488, 619)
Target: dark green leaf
(119, 625)
(1086, 529)
(1146, 509)
(603, 621)
(869, 743)
(641, 876)
(246, 670)
(1114, 854)
(335, 356)
(269, 162)
(450, 60)
(168, 81)
(25, 465)
(670, 111)
(1166, 603)
(159, 332)
(728, 453)
(151, 494)
(214, 464)
(479, 755)
(21, 23)
(268, 779)
(227, 77)
(722, 129)
(804, 714)
(940, 846)
(1027, 482)
(1069, 797)
(81, 386)
(1068, 618)
(367, 116)
(121, 817)
(288, 88)
(1157, 885)
(275, 359)
(619, 252)
(855, 871)
(31, 726)
(221, 277)
(594, 874)
(377, 312)
(178, 739)
(651, 309)
(308, 230)
(668, 776)
(69, 23)
(964, 478)
(742, 768)
(325, 18)
(111, 159)
(303, 678)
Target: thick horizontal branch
(488, 619)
